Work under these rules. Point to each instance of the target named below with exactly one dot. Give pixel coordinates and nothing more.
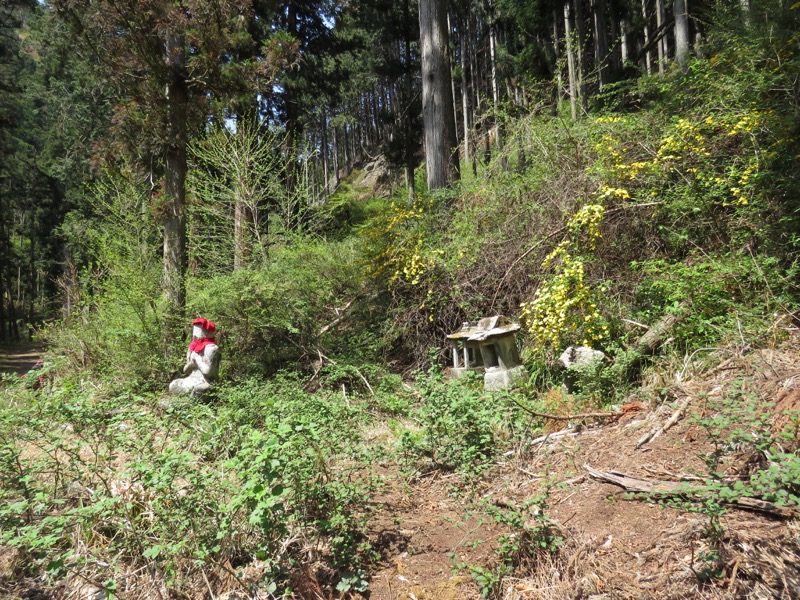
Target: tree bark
(498, 134)
(240, 223)
(408, 95)
(441, 152)
(580, 31)
(570, 43)
(681, 34)
(623, 42)
(335, 155)
(175, 262)
(465, 90)
(324, 147)
(559, 91)
(662, 42)
(4, 255)
(647, 62)
(601, 40)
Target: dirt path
(19, 358)
(422, 530)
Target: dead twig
(555, 436)
(340, 314)
(413, 391)
(657, 431)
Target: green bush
(275, 315)
(462, 426)
(115, 329)
(120, 483)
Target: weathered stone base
(504, 379)
(195, 385)
(458, 373)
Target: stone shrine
(489, 347)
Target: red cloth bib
(199, 345)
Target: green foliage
(564, 305)
(531, 533)
(114, 327)
(726, 294)
(462, 427)
(278, 313)
(256, 479)
(235, 180)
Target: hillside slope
(612, 544)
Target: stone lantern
(488, 347)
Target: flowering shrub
(698, 150)
(403, 256)
(565, 304)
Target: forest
(340, 185)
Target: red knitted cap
(205, 324)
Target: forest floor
(444, 537)
(614, 546)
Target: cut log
(628, 363)
(678, 488)
(658, 333)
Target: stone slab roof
(485, 328)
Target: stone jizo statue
(202, 361)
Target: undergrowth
(266, 478)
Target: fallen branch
(677, 488)
(340, 314)
(413, 391)
(594, 415)
(654, 433)
(366, 383)
(555, 436)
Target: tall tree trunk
(475, 92)
(4, 256)
(294, 135)
(335, 154)
(615, 60)
(623, 43)
(348, 155)
(441, 152)
(570, 42)
(662, 42)
(559, 92)
(498, 134)
(681, 34)
(601, 40)
(175, 185)
(583, 68)
(465, 89)
(408, 94)
(240, 223)
(30, 289)
(13, 325)
(324, 146)
(453, 84)
(647, 61)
